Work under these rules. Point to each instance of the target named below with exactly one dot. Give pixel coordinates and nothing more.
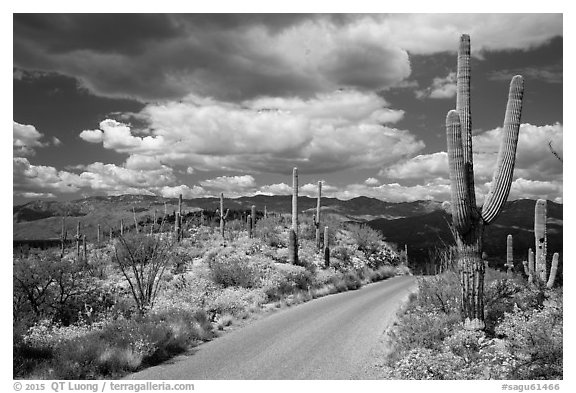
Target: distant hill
(422, 225)
(423, 233)
(43, 219)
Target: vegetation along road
(328, 338)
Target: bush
(534, 339)
(48, 287)
(367, 239)
(234, 301)
(234, 271)
(113, 348)
(143, 259)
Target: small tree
(143, 258)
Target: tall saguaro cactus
(469, 220)
(317, 216)
(509, 253)
(326, 248)
(540, 238)
(223, 216)
(293, 235)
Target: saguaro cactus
(63, 235)
(223, 216)
(253, 214)
(509, 254)
(293, 235)
(317, 216)
(78, 238)
(135, 220)
(178, 225)
(540, 238)
(326, 248)
(98, 234)
(250, 225)
(469, 220)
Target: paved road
(327, 338)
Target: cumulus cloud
(230, 183)
(342, 129)
(40, 179)
(275, 189)
(184, 190)
(372, 181)
(96, 177)
(441, 88)
(238, 57)
(25, 138)
(537, 171)
(419, 167)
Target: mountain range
(421, 225)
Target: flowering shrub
(534, 339)
(525, 341)
(234, 301)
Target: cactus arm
(463, 108)
(460, 201)
(553, 270)
(504, 171)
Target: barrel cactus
(468, 219)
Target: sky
(199, 104)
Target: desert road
(327, 338)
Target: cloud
(372, 181)
(536, 169)
(137, 161)
(187, 192)
(549, 74)
(343, 129)
(441, 88)
(25, 138)
(275, 189)
(438, 189)
(37, 195)
(237, 57)
(533, 158)
(92, 136)
(420, 167)
(230, 183)
(40, 179)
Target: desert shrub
(46, 286)
(423, 329)
(352, 281)
(382, 273)
(534, 339)
(384, 255)
(346, 258)
(234, 271)
(367, 239)
(113, 348)
(143, 259)
(269, 230)
(234, 301)
(440, 293)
